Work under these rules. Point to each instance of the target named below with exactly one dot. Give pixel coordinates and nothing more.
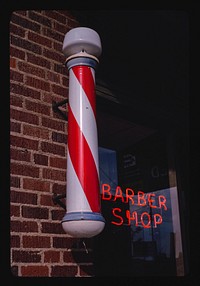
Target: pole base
(83, 224)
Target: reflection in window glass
(154, 223)
(141, 212)
(108, 167)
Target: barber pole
(83, 218)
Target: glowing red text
(140, 199)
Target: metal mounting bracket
(56, 199)
(56, 105)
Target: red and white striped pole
(83, 218)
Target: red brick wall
(38, 141)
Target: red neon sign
(140, 199)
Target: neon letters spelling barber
(140, 199)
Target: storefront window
(142, 236)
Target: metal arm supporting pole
(56, 199)
(56, 105)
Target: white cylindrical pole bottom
(83, 228)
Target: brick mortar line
(30, 219)
(35, 179)
(50, 208)
(55, 96)
(33, 192)
(32, 162)
(45, 79)
(38, 205)
(42, 250)
(41, 168)
(42, 93)
(63, 184)
(37, 76)
(50, 263)
(39, 126)
(23, 97)
(32, 64)
(25, 17)
(44, 235)
(53, 235)
(61, 262)
(37, 152)
(38, 55)
(28, 86)
(39, 234)
(25, 78)
(29, 205)
(37, 165)
(18, 71)
(52, 49)
(53, 20)
(42, 101)
(25, 219)
(25, 136)
(32, 153)
(24, 50)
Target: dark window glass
(142, 236)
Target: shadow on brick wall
(82, 255)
